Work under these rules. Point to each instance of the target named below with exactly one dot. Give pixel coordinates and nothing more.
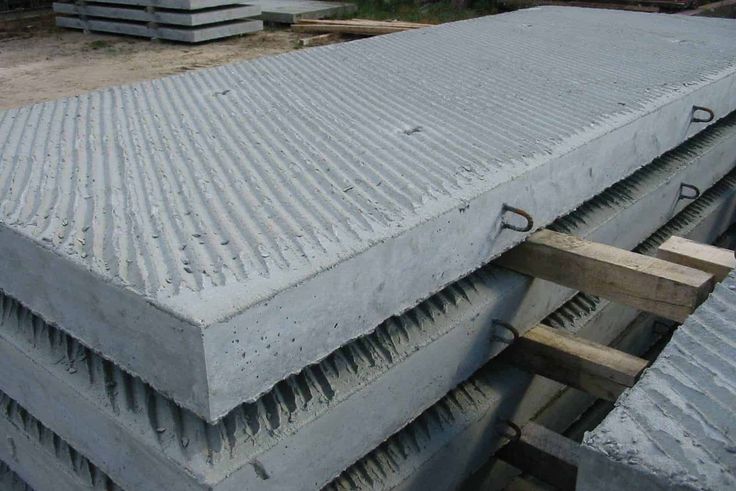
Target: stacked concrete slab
(189, 21)
(196, 270)
(676, 428)
(446, 425)
(290, 11)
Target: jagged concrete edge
(10, 481)
(42, 459)
(411, 458)
(206, 443)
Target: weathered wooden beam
(319, 40)
(663, 288)
(714, 260)
(544, 454)
(591, 367)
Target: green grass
(100, 44)
(413, 11)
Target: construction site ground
(41, 62)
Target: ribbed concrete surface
(216, 231)
(676, 428)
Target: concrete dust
(39, 66)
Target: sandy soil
(47, 63)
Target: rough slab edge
(10, 481)
(184, 18)
(198, 34)
(339, 379)
(272, 13)
(447, 443)
(43, 460)
(223, 373)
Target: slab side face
(275, 220)
(676, 428)
(290, 11)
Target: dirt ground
(44, 62)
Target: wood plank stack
(359, 27)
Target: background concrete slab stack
(676, 428)
(204, 289)
(189, 21)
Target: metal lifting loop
(506, 326)
(695, 119)
(695, 191)
(517, 431)
(521, 213)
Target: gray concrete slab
(221, 229)
(676, 428)
(290, 11)
(402, 367)
(186, 34)
(177, 17)
(173, 4)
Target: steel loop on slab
(695, 191)
(517, 431)
(508, 327)
(695, 119)
(517, 211)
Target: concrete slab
(196, 34)
(206, 213)
(402, 367)
(676, 428)
(177, 17)
(290, 11)
(174, 4)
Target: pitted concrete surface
(217, 231)
(676, 428)
(401, 367)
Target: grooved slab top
(676, 428)
(228, 226)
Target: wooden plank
(666, 289)
(346, 29)
(544, 454)
(591, 367)
(714, 260)
(364, 22)
(319, 40)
